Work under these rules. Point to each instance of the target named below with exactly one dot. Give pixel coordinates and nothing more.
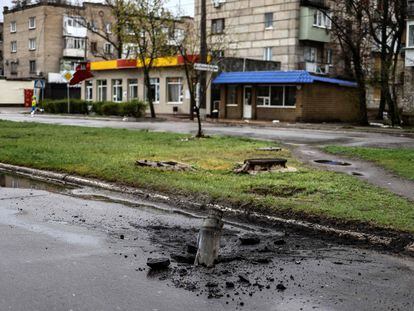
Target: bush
(133, 108)
(77, 106)
(110, 109)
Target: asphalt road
(62, 250)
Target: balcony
(311, 32)
(317, 68)
(321, 4)
(78, 53)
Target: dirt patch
(277, 191)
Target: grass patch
(110, 154)
(399, 161)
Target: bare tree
(350, 28)
(146, 33)
(188, 48)
(387, 25)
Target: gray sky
(187, 6)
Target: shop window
(117, 90)
(102, 85)
(231, 99)
(174, 90)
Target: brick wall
(329, 103)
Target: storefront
(291, 96)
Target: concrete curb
(346, 235)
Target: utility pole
(203, 54)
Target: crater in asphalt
(333, 162)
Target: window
(217, 26)
(101, 90)
(154, 90)
(322, 19)
(13, 46)
(88, 91)
(263, 96)
(94, 47)
(32, 66)
(276, 96)
(311, 54)
(92, 26)
(267, 55)
(329, 56)
(32, 22)
(290, 96)
(108, 48)
(117, 90)
(13, 27)
(74, 43)
(410, 34)
(132, 89)
(32, 44)
(108, 28)
(231, 96)
(174, 90)
(268, 20)
(13, 68)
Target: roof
(277, 77)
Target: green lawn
(400, 161)
(110, 154)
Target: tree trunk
(362, 94)
(149, 96)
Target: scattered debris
(212, 284)
(168, 165)
(229, 284)
(249, 239)
(244, 279)
(158, 263)
(191, 249)
(183, 258)
(209, 238)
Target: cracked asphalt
(78, 249)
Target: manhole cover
(332, 162)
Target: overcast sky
(187, 6)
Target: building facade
(123, 80)
(43, 38)
(407, 102)
(1, 49)
(290, 96)
(292, 32)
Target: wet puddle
(8, 180)
(333, 162)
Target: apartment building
(407, 102)
(43, 38)
(292, 32)
(1, 49)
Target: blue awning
(276, 77)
